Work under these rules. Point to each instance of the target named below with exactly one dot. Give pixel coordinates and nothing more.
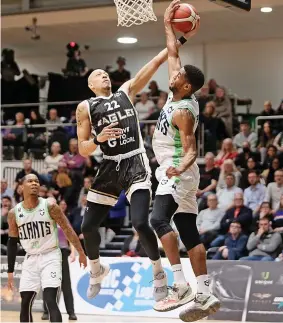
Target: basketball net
(134, 12)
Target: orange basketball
(185, 18)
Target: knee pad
(186, 225)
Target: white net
(134, 12)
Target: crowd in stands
(240, 195)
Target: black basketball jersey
(116, 108)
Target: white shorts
(183, 189)
(42, 270)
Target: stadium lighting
(265, 9)
(127, 40)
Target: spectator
(254, 195)
(132, 246)
(278, 218)
(91, 166)
(18, 193)
(212, 86)
(267, 111)
(53, 118)
(203, 98)
(5, 190)
(266, 139)
(263, 245)
(76, 217)
(61, 182)
(72, 158)
(268, 174)
(76, 66)
(275, 190)
(226, 195)
(234, 244)
(51, 161)
(208, 221)
(251, 165)
(278, 142)
(246, 135)
(85, 188)
(154, 92)
(155, 115)
(271, 154)
(264, 211)
(121, 75)
(208, 180)
(27, 169)
(224, 109)
(227, 152)
(242, 158)
(144, 106)
(43, 191)
(9, 67)
(6, 206)
(228, 167)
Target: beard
(173, 89)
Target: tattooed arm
(60, 218)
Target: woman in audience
(227, 151)
(266, 139)
(51, 162)
(228, 167)
(18, 193)
(268, 174)
(264, 211)
(271, 154)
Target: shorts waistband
(41, 253)
(120, 157)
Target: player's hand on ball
(169, 12)
(11, 281)
(109, 132)
(194, 31)
(83, 260)
(172, 171)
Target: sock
(203, 284)
(157, 266)
(179, 277)
(95, 266)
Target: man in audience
(264, 243)
(275, 190)
(27, 169)
(5, 190)
(53, 118)
(267, 111)
(242, 159)
(203, 98)
(208, 221)
(234, 244)
(254, 195)
(121, 75)
(144, 106)
(226, 196)
(72, 158)
(245, 135)
(208, 180)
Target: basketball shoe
(95, 281)
(160, 289)
(203, 305)
(178, 295)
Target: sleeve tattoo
(13, 227)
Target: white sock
(179, 277)
(203, 284)
(157, 266)
(95, 266)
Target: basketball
(185, 18)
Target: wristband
(182, 40)
(96, 141)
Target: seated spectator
(6, 206)
(155, 114)
(51, 161)
(268, 174)
(278, 218)
(226, 195)
(154, 91)
(234, 244)
(76, 66)
(208, 221)
(85, 188)
(270, 155)
(267, 111)
(132, 247)
(43, 192)
(144, 106)
(61, 182)
(242, 158)
(254, 195)
(264, 243)
(252, 164)
(72, 158)
(265, 140)
(5, 190)
(53, 118)
(119, 76)
(245, 135)
(208, 180)
(203, 98)
(275, 190)
(27, 169)
(223, 109)
(265, 211)
(18, 193)
(227, 152)
(212, 86)
(228, 167)
(91, 166)
(278, 143)
(35, 136)
(14, 137)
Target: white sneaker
(178, 295)
(203, 305)
(110, 234)
(95, 281)
(160, 290)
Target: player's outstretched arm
(12, 246)
(60, 218)
(184, 121)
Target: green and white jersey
(37, 230)
(166, 141)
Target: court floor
(14, 317)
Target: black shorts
(133, 174)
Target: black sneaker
(72, 317)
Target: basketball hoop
(134, 12)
